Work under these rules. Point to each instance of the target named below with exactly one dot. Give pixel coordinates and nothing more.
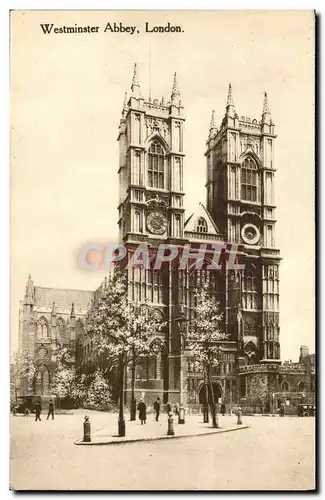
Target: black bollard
(170, 431)
(87, 438)
(239, 417)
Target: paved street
(274, 453)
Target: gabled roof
(192, 221)
(63, 298)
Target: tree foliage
(119, 327)
(23, 370)
(205, 331)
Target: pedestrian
(38, 410)
(282, 410)
(177, 409)
(156, 407)
(51, 410)
(168, 408)
(142, 411)
(223, 409)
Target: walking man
(142, 411)
(156, 407)
(51, 410)
(38, 410)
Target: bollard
(170, 431)
(86, 438)
(239, 415)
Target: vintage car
(305, 410)
(26, 404)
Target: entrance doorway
(205, 393)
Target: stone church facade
(239, 209)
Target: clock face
(250, 234)
(156, 223)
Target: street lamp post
(181, 321)
(121, 421)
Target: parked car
(306, 410)
(26, 404)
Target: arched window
(42, 328)
(250, 289)
(156, 165)
(249, 180)
(202, 226)
(42, 381)
(285, 386)
(61, 329)
(301, 386)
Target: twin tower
(240, 208)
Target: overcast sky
(67, 94)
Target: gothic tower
(151, 166)
(240, 198)
(151, 209)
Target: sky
(66, 98)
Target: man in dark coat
(38, 410)
(223, 409)
(156, 407)
(51, 410)
(142, 411)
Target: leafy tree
(98, 391)
(63, 378)
(23, 371)
(205, 333)
(121, 331)
(258, 390)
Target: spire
(125, 104)
(213, 126)
(266, 115)
(175, 89)
(53, 309)
(230, 108)
(29, 292)
(72, 313)
(265, 104)
(135, 77)
(230, 101)
(213, 120)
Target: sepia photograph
(162, 191)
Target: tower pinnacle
(29, 293)
(125, 105)
(175, 89)
(213, 126)
(230, 108)
(213, 120)
(72, 313)
(135, 81)
(266, 108)
(230, 101)
(266, 115)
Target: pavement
(153, 430)
(271, 454)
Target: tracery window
(156, 166)
(249, 180)
(42, 328)
(250, 295)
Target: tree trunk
(206, 420)
(133, 402)
(121, 421)
(215, 421)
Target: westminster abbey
(239, 208)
